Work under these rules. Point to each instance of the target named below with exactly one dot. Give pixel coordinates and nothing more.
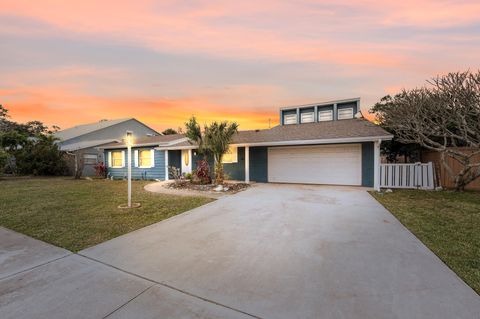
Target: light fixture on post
(129, 143)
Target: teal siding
(236, 171)
(197, 157)
(259, 164)
(367, 164)
(156, 172)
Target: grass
(75, 214)
(446, 222)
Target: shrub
(100, 169)
(203, 172)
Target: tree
(78, 158)
(31, 147)
(169, 131)
(214, 139)
(441, 117)
(40, 156)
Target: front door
(186, 161)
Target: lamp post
(129, 141)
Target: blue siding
(259, 164)
(156, 172)
(236, 171)
(367, 164)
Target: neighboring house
(321, 143)
(89, 137)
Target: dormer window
(326, 115)
(307, 117)
(344, 114)
(290, 119)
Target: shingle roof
(83, 129)
(328, 130)
(354, 128)
(151, 140)
(85, 144)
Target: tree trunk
(219, 173)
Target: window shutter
(123, 158)
(109, 159)
(152, 157)
(135, 157)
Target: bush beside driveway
(75, 214)
(447, 222)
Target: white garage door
(325, 164)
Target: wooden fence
(418, 175)
(443, 177)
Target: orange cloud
(62, 108)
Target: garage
(339, 164)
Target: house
(89, 137)
(320, 143)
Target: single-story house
(320, 143)
(89, 137)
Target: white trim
(135, 157)
(247, 164)
(123, 159)
(355, 99)
(319, 141)
(109, 159)
(160, 144)
(376, 165)
(166, 166)
(163, 148)
(152, 158)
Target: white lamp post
(129, 141)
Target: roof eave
(318, 141)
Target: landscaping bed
(226, 187)
(447, 222)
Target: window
(307, 117)
(144, 158)
(231, 156)
(117, 159)
(90, 159)
(344, 114)
(290, 119)
(325, 115)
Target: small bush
(203, 172)
(100, 169)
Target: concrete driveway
(292, 251)
(273, 251)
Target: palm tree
(215, 139)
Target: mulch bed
(228, 187)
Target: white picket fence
(418, 175)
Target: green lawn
(78, 214)
(447, 222)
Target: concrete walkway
(273, 251)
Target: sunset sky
(73, 62)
